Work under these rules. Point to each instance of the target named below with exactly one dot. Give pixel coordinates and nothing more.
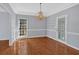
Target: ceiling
(33, 8)
(2, 9)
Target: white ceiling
(33, 8)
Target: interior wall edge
(63, 10)
(48, 37)
(63, 42)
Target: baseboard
(11, 43)
(48, 37)
(64, 43)
(37, 36)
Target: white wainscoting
(68, 44)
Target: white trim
(3, 39)
(51, 12)
(37, 36)
(65, 26)
(56, 27)
(11, 43)
(64, 43)
(73, 33)
(51, 30)
(66, 16)
(26, 26)
(57, 11)
(36, 29)
(49, 37)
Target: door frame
(26, 28)
(66, 17)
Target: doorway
(62, 27)
(22, 28)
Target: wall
(12, 21)
(36, 27)
(72, 25)
(4, 26)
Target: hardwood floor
(39, 46)
(4, 44)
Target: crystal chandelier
(40, 14)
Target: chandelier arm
(40, 6)
(40, 13)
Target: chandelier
(40, 14)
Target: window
(22, 27)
